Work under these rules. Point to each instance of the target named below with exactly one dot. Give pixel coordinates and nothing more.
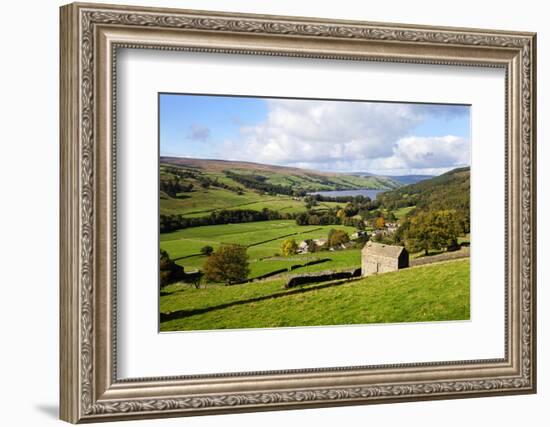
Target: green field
(201, 202)
(402, 212)
(434, 292)
(263, 239)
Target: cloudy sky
(339, 136)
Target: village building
(305, 245)
(320, 242)
(380, 258)
(358, 234)
(391, 227)
(342, 246)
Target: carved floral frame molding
(90, 37)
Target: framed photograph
(266, 213)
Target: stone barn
(381, 258)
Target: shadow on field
(164, 317)
(187, 256)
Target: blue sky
(342, 136)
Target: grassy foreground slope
(433, 292)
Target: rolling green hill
(197, 187)
(299, 179)
(450, 190)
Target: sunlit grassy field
(434, 292)
(263, 239)
(203, 201)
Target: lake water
(344, 193)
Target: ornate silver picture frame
(91, 35)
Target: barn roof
(380, 249)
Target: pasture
(433, 292)
(263, 240)
(202, 202)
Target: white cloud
(346, 136)
(419, 153)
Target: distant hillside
(401, 179)
(450, 190)
(249, 174)
(410, 179)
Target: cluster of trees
(173, 186)
(327, 217)
(331, 216)
(355, 212)
(170, 272)
(441, 214)
(207, 182)
(175, 222)
(450, 191)
(433, 230)
(353, 205)
(259, 183)
(337, 238)
(177, 174)
(428, 229)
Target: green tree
(302, 218)
(432, 230)
(390, 216)
(365, 214)
(289, 247)
(207, 250)
(379, 223)
(229, 265)
(341, 214)
(311, 202)
(169, 271)
(337, 238)
(448, 225)
(314, 220)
